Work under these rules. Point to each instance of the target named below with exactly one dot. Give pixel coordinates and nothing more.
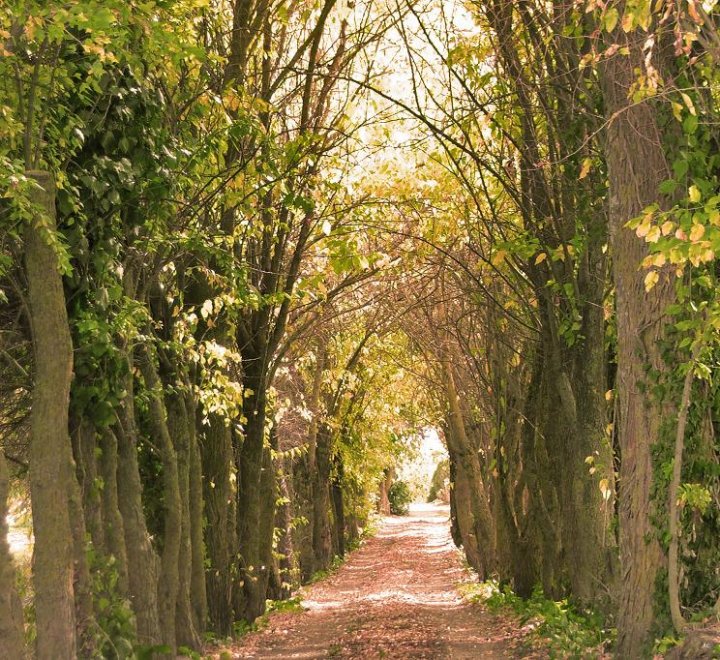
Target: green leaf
(680, 168)
(690, 124)
(610, 20)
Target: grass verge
(567, 632)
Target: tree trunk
(322, 534)
(266, 531)
(217, 460)
(50, 448)
(465, 516)
(283, 518)
(302, 537)
(338, 505)
(678, 620)
(169, 580)
(179, 426)
(143, 576)
(384, 498)
(454, 524)
(114, 532)
(198, 589)
(86, 631)
(250, 496)
(86, 461)
(85, 520)
(11, 615)
(636, 167)
(595, 539)
(473, 508)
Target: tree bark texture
(50, 448)
(322, 532)
(142, 582)
(636, 167)
(169, 580)
(251, 498)
(179, 426)
(114, 532)
(220, 536)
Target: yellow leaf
(540, 258)
(605, 489)
(611, 19)
(585, 169)
(651, 279)
(659, 260)
(667, 228)
(499, 257)
(643, 229)
(688, 103)
(628, 22)
(653, 235)
(694, 14)
(697, 232)
(694, 194)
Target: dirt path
(394, 598)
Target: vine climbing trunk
(678, 619)
(50, 448)
(637, 166)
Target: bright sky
(431, 452)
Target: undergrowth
(568, 632)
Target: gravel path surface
(395, 597)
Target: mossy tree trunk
(179, 425)
(198, 588)
(637, 165)
(143, 577)
(168, 579)
(114, 532)
(322, 532)
(50, 449)
(216, 452)
(252, 500)
(338, 504)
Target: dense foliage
(400, 498)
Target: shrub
(400, 498)
(439, 484)
(568, 632)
